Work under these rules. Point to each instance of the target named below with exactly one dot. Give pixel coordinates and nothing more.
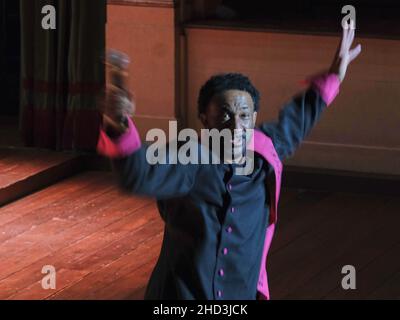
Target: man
(218, 224)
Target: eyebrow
(227, 107)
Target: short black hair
(222, 82)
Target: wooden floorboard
(84, 220)
(88, 253)
(390, 288)
(26, 170)
(20, 163)
(376, 257)
(59, 213)
(104, 243)
(118, 277)
(297, 216)
(334, 225)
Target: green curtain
(62, 74)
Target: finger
(117, 58)
(118, 98)
(354, 52)
(114, 90)
(344, 39)
(350, 38)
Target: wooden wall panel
(147, 34)
(144, 3)
(360, 131)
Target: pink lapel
(263, 145)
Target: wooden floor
(24, 170)
(104, 244)
(100, 242)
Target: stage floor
(104, 243)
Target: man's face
(231, 109)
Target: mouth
(239, 140)
(238, 146)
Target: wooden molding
(393, 33)
(145, 3)
(339, 180)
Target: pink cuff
(121, 147)
(327, 85)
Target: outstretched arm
(120, 141)
(136, 175)
(299, 116)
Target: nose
(234, 124)
(237, 125)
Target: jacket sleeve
(300, 115)
(162, 181)
(135, 174)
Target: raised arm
(300, 115)
(136, 175)
(120, 141)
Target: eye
(226, 117)
(245, 116)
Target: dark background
(9, 56)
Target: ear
(254, 118)
(203, 119)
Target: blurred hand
(118, 103)
(345, 55)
